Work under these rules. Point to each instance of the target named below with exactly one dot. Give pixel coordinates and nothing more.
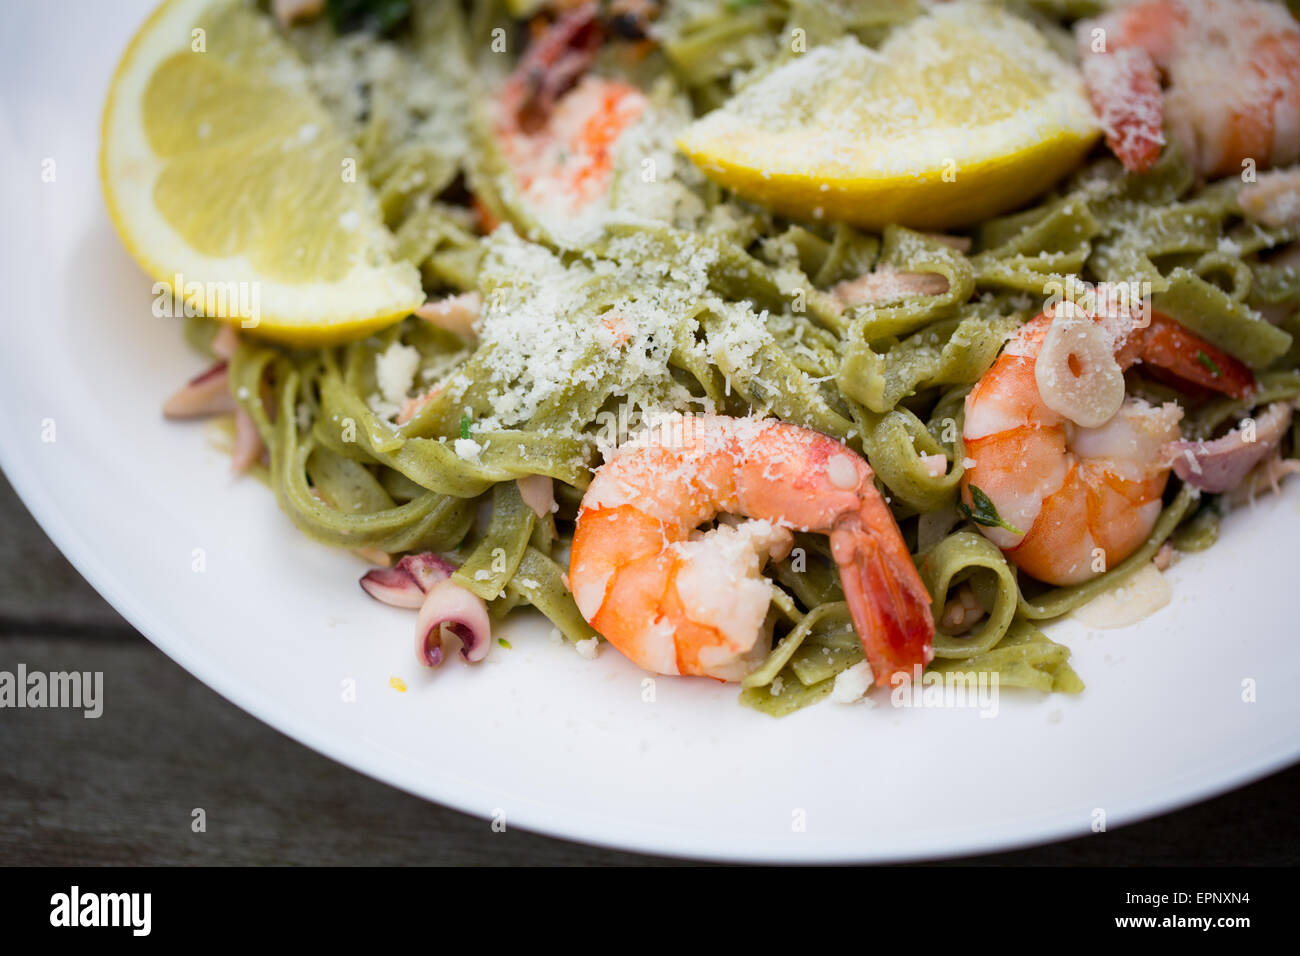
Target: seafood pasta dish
(808, 345)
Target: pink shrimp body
(1232, 72)
(1079, 500)
(570, 161)
(677, 601)
(558, 125)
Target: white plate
(555, 743)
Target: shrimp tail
(1168, 345)
(887, 599)
(1124, 87)
(552, 64)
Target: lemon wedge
(228, 181)
(960, 115)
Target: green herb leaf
(984, 512)
(504, 643)
(464, 426)
(379, 16)
(1209, 363)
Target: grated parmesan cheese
(610, 324)
(395, 370)
(851, 685)
(468, 449)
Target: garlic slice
(1076, 370)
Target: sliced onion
(248, 442)
(1076, 370)
(1220, 465)
(207, 393)
(460, 611)
(407, 582)
(538, 492)
(886, 285)
(1267, 476)
(225, 341)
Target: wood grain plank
(39, 589)
(121, 790)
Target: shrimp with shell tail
(679, 601)
(557, 122)
(1062, 467)
(1222, 77)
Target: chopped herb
(984, 512)
(378, 16)
(464, 426)
(1209, 363)
(504, 643)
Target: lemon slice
(962, 114)
(226, 179)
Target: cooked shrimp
(557, 127)
(677, 601)
(1072, 468)
(1232, 71)
(456, 313)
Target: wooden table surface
(122, 789)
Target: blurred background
(122, 789)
